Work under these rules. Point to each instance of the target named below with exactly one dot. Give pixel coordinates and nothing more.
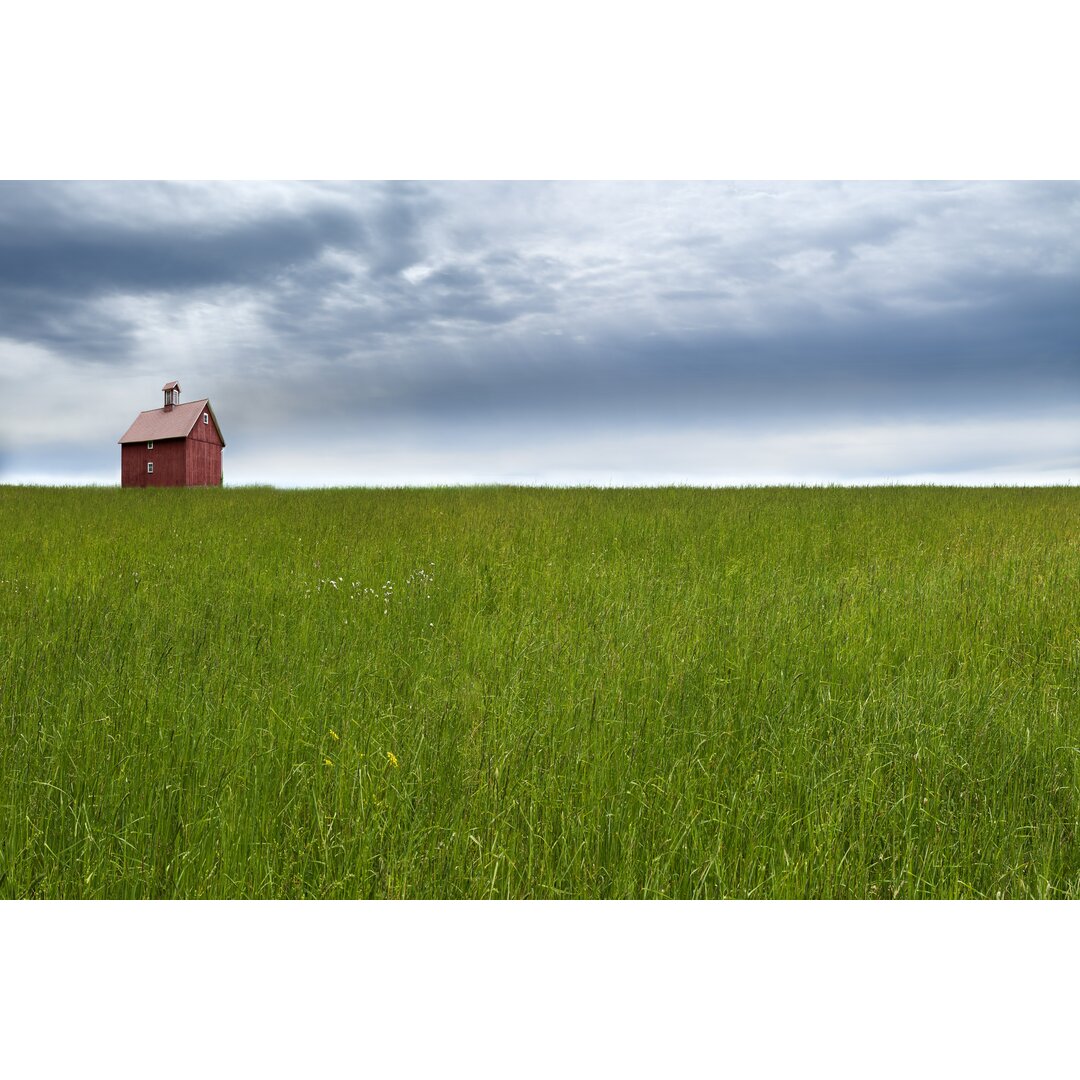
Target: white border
(778, 89)
(537, 989)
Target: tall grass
(497, 692)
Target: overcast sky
(551, 332)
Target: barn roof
(174, 423)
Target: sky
(562, 333)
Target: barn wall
(168, 456)
(204, 454)
(205, 432)
(203, 462)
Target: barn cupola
(172, 395)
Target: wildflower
(328, 762)
(392, 758)
(334, 735)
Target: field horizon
(540, 691)
(528, 486)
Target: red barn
(176, 446)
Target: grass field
(498, 692)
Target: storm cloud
(551, 332)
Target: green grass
(540, 693)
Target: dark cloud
(397, 223)
(101, 259)
(64, 324)
(59, 259)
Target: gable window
(150, 445)
(205, 418)
(149, 466)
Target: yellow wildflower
(334, 735)
(327, 761)
(391, 757)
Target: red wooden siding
(170, 464)
(204, 454)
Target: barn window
(149, 466)
(205, 418)
(150, 446)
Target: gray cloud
(60, 256)
(561, 308)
